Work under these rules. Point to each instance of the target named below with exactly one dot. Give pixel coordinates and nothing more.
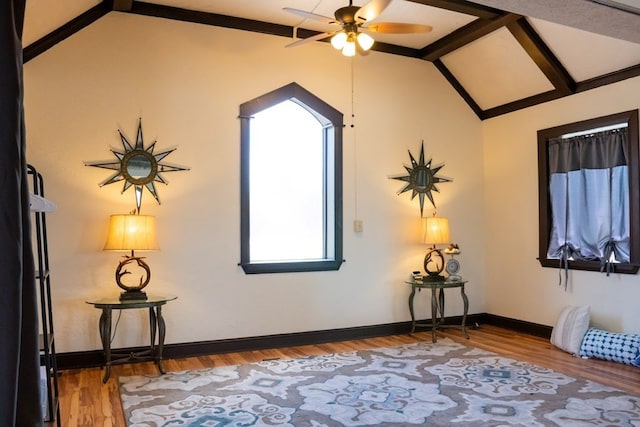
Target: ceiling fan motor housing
(347, 14)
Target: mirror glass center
(139, 166)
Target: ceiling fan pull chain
(352, 92)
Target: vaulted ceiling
(499, 55)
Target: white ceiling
(583, 14)
(588, 39)
(496, 57)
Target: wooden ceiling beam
(63, 32)
(520, 104)
(542, 56)
(614, 77)
(465, 35)
(187, 15)
(122, 5)
(462, 6)
(458, 87)
(609, 78)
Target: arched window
(291, 183)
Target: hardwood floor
(85, 401)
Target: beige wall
(186, 81)
(517, 286)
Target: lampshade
(365, 41)
(338, 41)
(349, 48)
(131, 232)
(436, 231)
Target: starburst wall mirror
(137, 166)
(421, 179)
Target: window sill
(291, 267)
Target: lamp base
(132, 292)
(433, 278)
(133, 295)
(434, 264)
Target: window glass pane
(290, 183)
(287, 184)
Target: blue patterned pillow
(623, 348)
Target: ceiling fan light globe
(339, 40)
(365, 41)
(349, 49)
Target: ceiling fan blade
(310, 15)
(310, 39)
(397, 28)
(371, 10)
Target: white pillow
(570, 328)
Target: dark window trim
(332, 120)
(545, 222)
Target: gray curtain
(589, 193)
(19, 351)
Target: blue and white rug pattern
(441, 384)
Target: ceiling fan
(355, 22)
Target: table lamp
(436, 232)
(132, 232)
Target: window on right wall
(589, 195)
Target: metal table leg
(413, 317)
(105, 335)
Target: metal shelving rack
(43, 279)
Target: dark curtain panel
(19, 351)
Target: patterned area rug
(442, 384)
